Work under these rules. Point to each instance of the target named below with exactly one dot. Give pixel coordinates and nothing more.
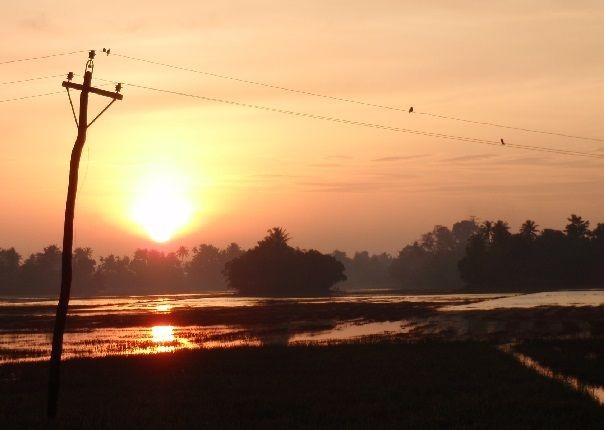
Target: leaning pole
(66, 261)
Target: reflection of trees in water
(274, 337)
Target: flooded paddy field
(520, 361)
(107, 326)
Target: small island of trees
(273, 268)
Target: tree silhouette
(462, 231)
(366, 271)
(205, 270)
(41, 272)
(83, 272)
(431, 263)
(232, 251)
(114, 276)
(577, 228)
(9, 271)
(529, 230)
(500, 232)
(277, 237)
(273, 268)
(157, 272)
(531, 259)
(182, 253)
(485, 257)
(487, 230)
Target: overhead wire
(38, 95)
(42, 57)
(316, 116)
(39, 78)
(308, 93)
(358, 102)
(30, 96)
(509, 127)
(367, 124)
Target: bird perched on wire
(411, 109)
(502, 142)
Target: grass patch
(381, 385)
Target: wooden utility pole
(66, 268)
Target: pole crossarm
(116, 96)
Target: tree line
(270, 268)
(481, 256)
(532, 259)
(488, 256)
(147, 271)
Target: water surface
(550, 298)
(104, 326)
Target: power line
(359, 102)
(32, 79)
(551, 133)
(334, 119)
(370, 125)
(31, 96)
(42, 57)
(39, 95)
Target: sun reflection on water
(164, 307)
(162, 333)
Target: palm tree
(529, 230)
(500, 232)
(486, 229)
(277, 236)
(577, 227)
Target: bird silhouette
(411, 109)
(502, 142)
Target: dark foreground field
(581, 358)
(381, 385)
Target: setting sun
(161, 207)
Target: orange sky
(331, 185)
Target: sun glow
(162, 333)
(162, 207)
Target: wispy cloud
(475, 157)
(325, 165)
(269, 176)
(339, 157)
(370, 184)
(399, 158)
(342, 186)
(38, 22)
(534, 188)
